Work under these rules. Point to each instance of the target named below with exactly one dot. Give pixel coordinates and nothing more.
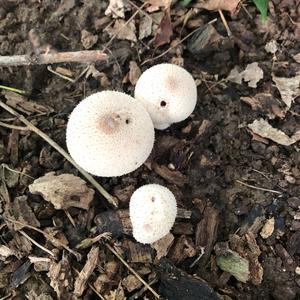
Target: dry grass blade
(257, 188)
(132, 270)
(44, 136)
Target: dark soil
(199, 159)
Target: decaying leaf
(265, 103)
(41, 264)
(164, 30)
(20, 246)
(288, 88)
(61, 278)
(117, 294)
(117, 8)
(268, 228)
(156, 4)
(88, 40)
(163, 245)
(134, 72)
(264, 129)
(252, 74)
(85, 273)
(231, 262)
(230, 6)
(145, 27)
(63, 191)
(123, 30)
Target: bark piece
(85, 273)
(163, 245)
(63, 191)
(138, 253)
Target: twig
(36, 243)
(3, 124)
(15, 171)
(202, 251)
(139, 293)
(60, 75)
(246, 10)
(31, 127)
(258, 188)
(47, 236)
(132, 271)
(229, 33)
(176, 45)
(53, 58)
(70, 218)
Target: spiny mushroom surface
(168, 92)
(109, 134)
(152, 211)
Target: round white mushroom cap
(110, 134)
(168, 92)
(152, 211)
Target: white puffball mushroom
(109, 134)
(168, 92)
(152, 211)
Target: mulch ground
(233, 165)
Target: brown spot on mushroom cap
(110, 123)
(172, 83)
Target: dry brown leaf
(20, 245)
(134, 72)
(164, 30)
(253, 74)
(61, 278)
(163, 245)
(117, 294)
(40, 264)
(22, 212)
(63, 191)
(229, 5)
(117, 8)
(288, 88)
(123, 30)
(156, 4)
(85, 273)
(264, 129)
(297, 58)
(268, 228)
(265, 103)
(145, 27)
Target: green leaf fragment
(234, 264)
(262, 6)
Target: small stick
(258, 188)
(70, 218)
(131, 270)
(8, 88)
(15, 127)
(36, 243)
(229, 33)
(44, 136)
(53, 58)
(60, 75)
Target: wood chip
(297, 58)
(184, 247)
(20, 246)
(23, 213)
(63, 191)
(5, 252)
(61, 278)
(268, 228)
(163, 245)
(131, 283)
(206, 232)
(174, 177)
(85, 273)
(41, 264)
(138, 253)
(265, 130)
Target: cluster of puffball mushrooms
(111, 134)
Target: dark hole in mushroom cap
(152, 199)
(127, 121)
(163, 103)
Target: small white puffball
(109, 134)
(152, 211)
(168, 92)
